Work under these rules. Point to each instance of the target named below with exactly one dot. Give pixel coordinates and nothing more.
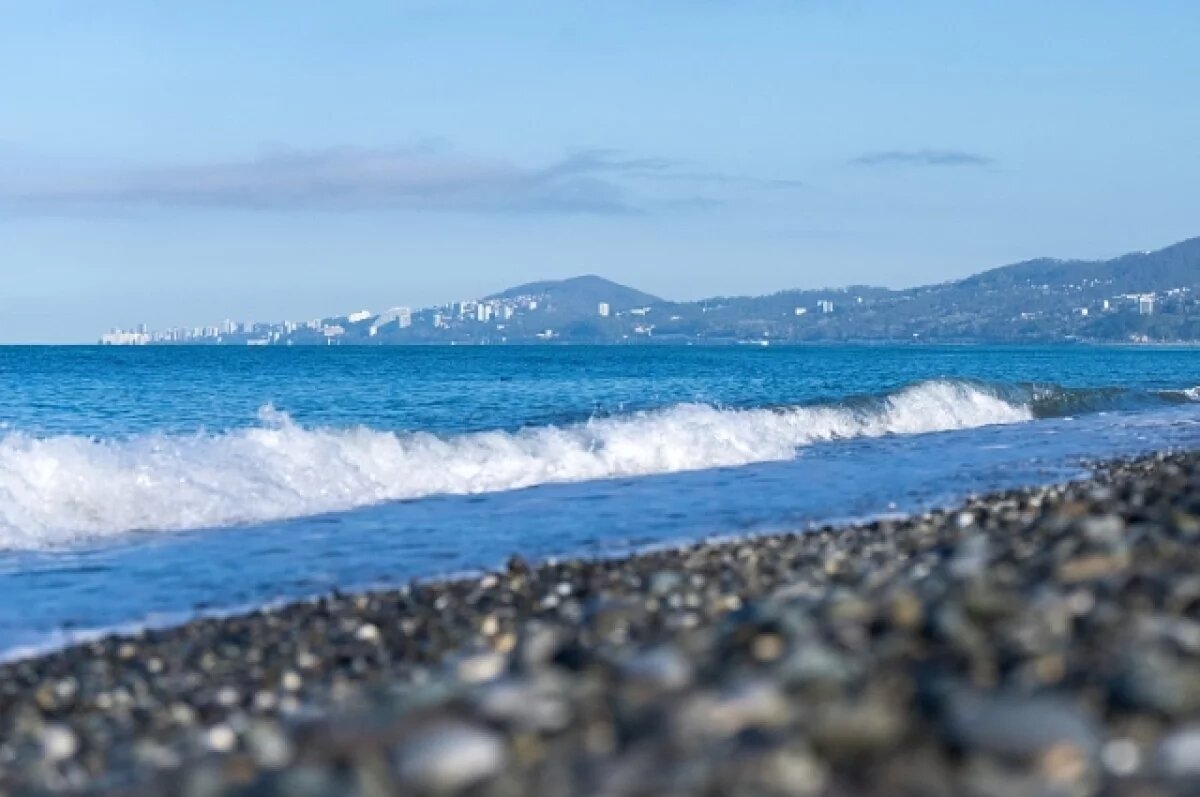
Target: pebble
(1040, 641)
(1019, 727)
(448, 757)
(478, 667)
(1121, 757)
(59, 743)
(663, 668)
(1178, 755)
(536, 705)
(741, 705)
(221, 738)
(269, 745)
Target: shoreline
(1035, 641)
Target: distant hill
(582, 294)
(1138, 271)
(1138, 297)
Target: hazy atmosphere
(169, 164)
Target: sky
(178, 164)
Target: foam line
(56, 490)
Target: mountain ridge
(1134, 297)
(585, 290)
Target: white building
(801, 310)
(603, 310)
(1145, 304)
(361, 315)
(825, 305)
(119, 337)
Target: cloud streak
(922, 157)
(350, 178)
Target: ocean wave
(56, 490)
(1056, 401)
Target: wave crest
(58, 489)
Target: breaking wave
(55, 490)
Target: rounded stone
(59, 742)
(1019, 727)
(449, 756)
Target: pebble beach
(1043, 641)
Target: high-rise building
(603, 310)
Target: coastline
(1035, 641)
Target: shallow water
(142, 485)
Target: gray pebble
(449, 756)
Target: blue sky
(181, 163)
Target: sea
(142, 487)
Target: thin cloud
(347, 178)
(922, 157)
(667, 170)
(331, 179)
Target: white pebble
(480, 667)
(227, 696)
(1179, 753)
(1121, 757)
(451, 756)
(59, 742)
(221, 738)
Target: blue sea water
(142, 486)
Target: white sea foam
(58, 489)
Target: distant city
(1138, 298)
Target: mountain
(581, 294)
(1138, 297)
(1138, 271)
